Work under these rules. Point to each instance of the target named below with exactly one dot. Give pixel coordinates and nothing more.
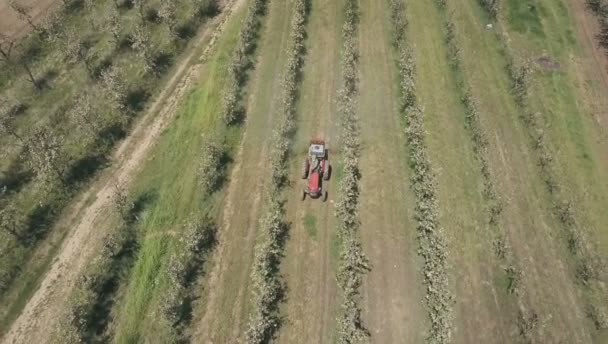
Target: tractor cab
(317, 149)
(316, 169)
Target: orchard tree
(141, 11)
(8, 111)
(113, 24)
(76, 49)
(30, 74)
(12, 221)
(142, 44)
(52, 25)
(89, 4)
(6, 46)
(46, 156)
(168, 16)
(23, 12)
(210, 168)
(205, 7)
(85, 117)
(122, 204)
(114, 88)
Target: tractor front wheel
(303, 195)
(324, 196)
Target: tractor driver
(316, 164)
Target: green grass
(525, 16)
(310, 224)
(171, 176)
(571, 132)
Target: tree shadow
(151, 15)
(15, 178)
(162, 62)
(225, 161)
(39, 222)
(111, 134)
(211, 10)
(141, 203)
(73, 6)
(136, 99)
(45, 80)
(186, 30)
(85, 168)
(100, 316)
(99, 67)
(194, 273)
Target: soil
(10, 23)
(41, 312)
(547, 63)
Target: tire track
(307, 265)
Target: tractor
(316, 169)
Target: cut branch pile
(241, 62)
(432, 243)
(353, 262)
(182, 271)
(268, 287)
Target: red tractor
(316, 168)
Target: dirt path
(223, 317)
(42, 310)
(12, 26)
(393, 292)
(307, 266)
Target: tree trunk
(5, 54)
(17, 136)
(31, 76)
(34, 26)
(18, 237)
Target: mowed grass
(580, 158)
(574, 139)
(170, 177)
(461, 205)
(222, 317)
(310, 224)
(264, 103)
(532, 231)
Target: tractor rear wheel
(326, 170)
(305, 168)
